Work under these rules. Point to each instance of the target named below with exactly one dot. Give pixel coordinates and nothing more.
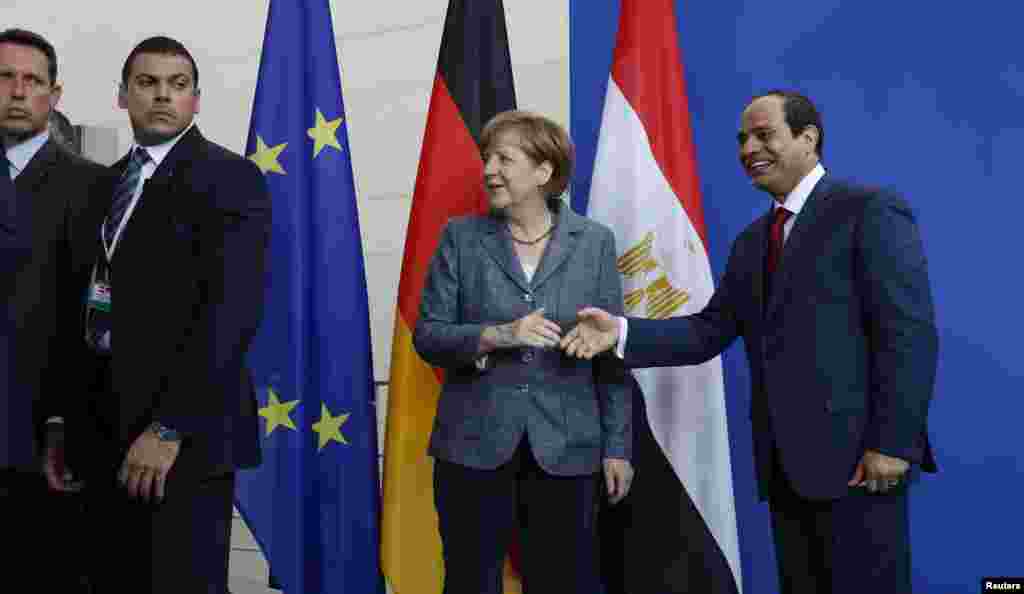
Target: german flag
(473, 83)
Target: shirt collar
(158, 152)
(797, 198)
(20, 154)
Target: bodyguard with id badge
(169, 412)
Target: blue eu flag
(313, 505)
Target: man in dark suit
(830, 293)
(52, 185)
(175, 287)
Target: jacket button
(523, 387)
(527, 356)
(527, 297)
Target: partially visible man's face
(27, 95)
(160, 97)
(772, 157)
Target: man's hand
(145, 467)
(878, 472)
(58, 476)
(596, 332)
(618, 476)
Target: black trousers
(855, 544)
(44, 532)
(178, 546)
(482, 511)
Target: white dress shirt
(794, 203)
(795, 200)
(20, 154)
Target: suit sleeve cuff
(620, 347)
(619, 451)
(896, 446)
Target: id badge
(98, 307)
(99, 296)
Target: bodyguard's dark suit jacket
(575, 412)
(842, 352)
(13, 250)
(54, 187)
(188, 282)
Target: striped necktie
(123, 194)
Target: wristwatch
(163, 432)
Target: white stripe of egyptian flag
(645, 187)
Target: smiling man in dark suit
(830, 293)
(52, 186)
(176, 259)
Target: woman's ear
(544, 172)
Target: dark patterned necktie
(123, 194)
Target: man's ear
(811, 133)
(195, 100)
(122, 96)
(55, 94)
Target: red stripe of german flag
(473, 83)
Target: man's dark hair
(160, 45)
(34, 40)
(799, 112)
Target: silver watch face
(164, 433)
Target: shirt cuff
(620, 347)
(55, 420)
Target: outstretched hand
(597, 331)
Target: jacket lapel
(499, 249)
(760, 242)
(38, 168)
(158, 186)
(796, 247)
(560, 247)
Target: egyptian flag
(679, 529)
(473, 83)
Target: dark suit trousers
(855, 544)
(175, 547)
(479, 511)
(180, 545)
(44, 533)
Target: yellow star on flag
(276, 412)
(329, 427)
(265, 156)
(324, 133)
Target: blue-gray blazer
(574, 412)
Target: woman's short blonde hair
(542, 140)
